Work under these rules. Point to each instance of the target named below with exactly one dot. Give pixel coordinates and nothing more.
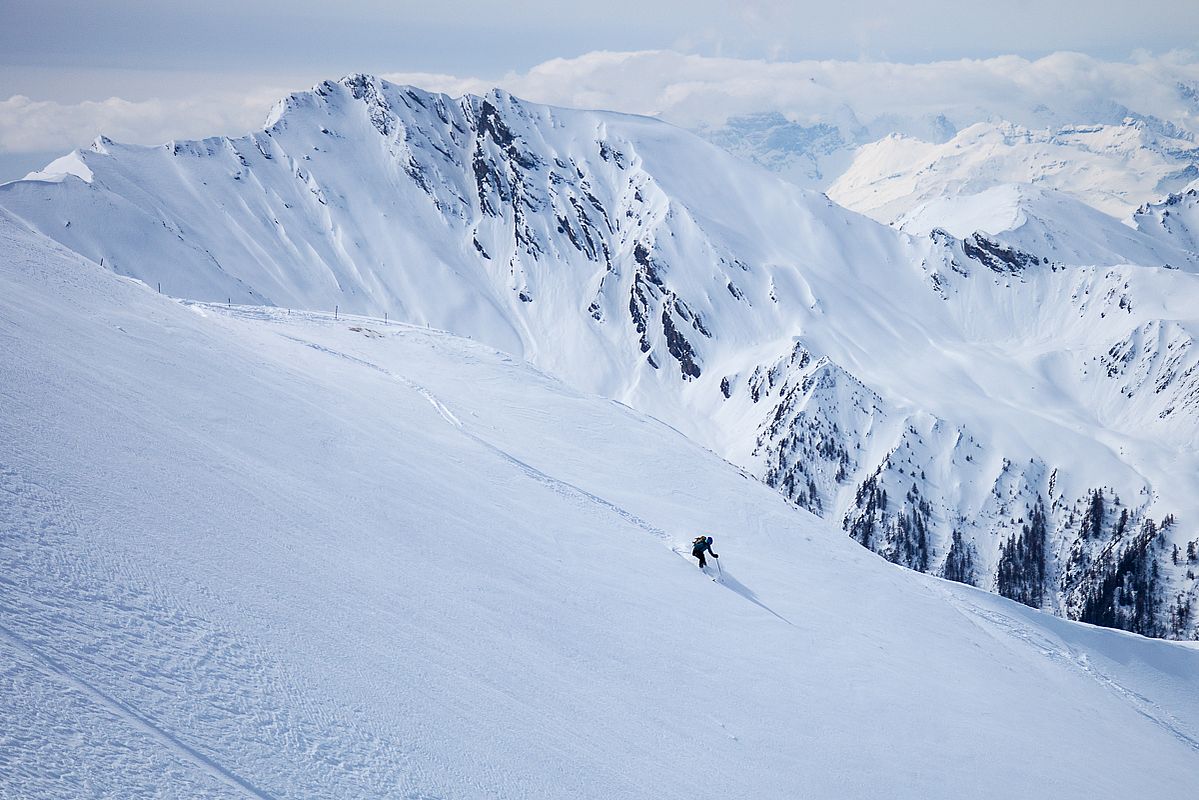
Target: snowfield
(254, 553)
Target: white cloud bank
(28, 126)
(695, 91)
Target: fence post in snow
(334, 312)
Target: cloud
(695, 91)
(28, 126)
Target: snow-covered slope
(253, 553)
(1172, 222)
(1113, 168)
(928, 393)
(1049, 224)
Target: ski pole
(719, 571)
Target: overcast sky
(143, 69)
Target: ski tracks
(135, 720)
(1060, 653)
(39, 592)
(578, 494)
(559, 486)
(102, 657)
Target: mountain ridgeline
(991, 413)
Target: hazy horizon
(148, 72)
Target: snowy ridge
(929, 393)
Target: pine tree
(1021, 574)
(1092, 518)
(1127, 592)
(959, 563)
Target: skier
(701, 545)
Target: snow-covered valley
(249, 552)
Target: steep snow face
(253, 553)
(1112, 168)
(929, 393)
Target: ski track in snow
(136, 720)
(561, 487)
(27, 504)
(1062, 654)
(76, 639)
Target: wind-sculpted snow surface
(253, 553)
(955, 398)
